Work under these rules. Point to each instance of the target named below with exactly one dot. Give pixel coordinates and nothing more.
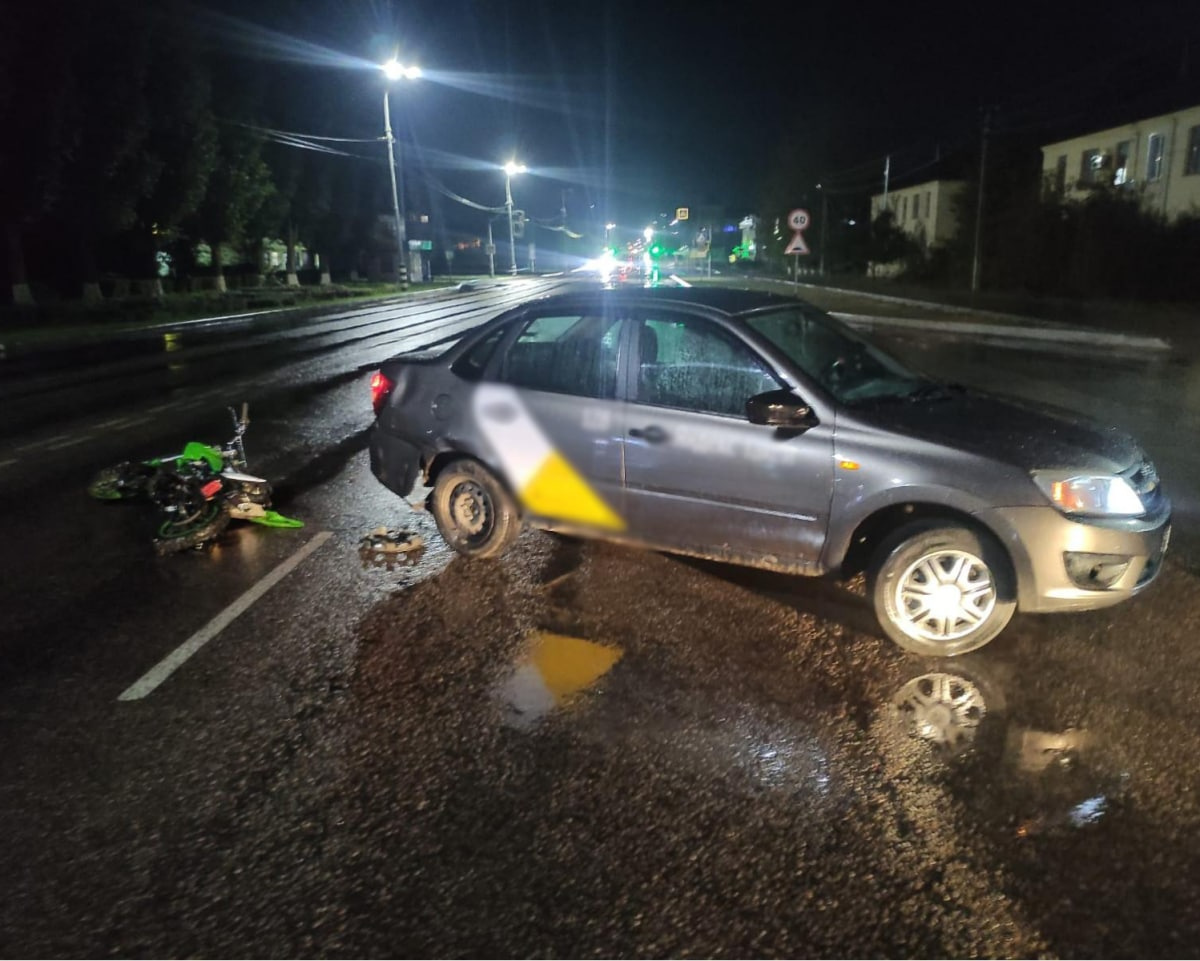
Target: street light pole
(512, 240)
(394, 70)
(510, 168)
(402, 266)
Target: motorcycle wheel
(122, 482)
(190, 522)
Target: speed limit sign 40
(798, 220)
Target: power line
(446, 191)
(304, 142)
(313, 136)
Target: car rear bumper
(394, 462)
(1080, 565)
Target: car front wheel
(941, 591)
(475, 514)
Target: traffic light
(518, 223)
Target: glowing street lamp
(394, 70)
(510, 168)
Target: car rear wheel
(473, 511)
(941, 590)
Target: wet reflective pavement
(583, 750)
(647, 758)
(591, 751)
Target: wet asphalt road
(582, 750)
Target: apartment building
(927, 211)
(1159, 157)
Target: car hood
(1008, 430)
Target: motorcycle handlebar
(239, 425)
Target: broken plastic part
(387, 547)
(273, 519)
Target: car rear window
(470, 366)
(566, 354)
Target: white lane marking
(169, 664)
(126, 421)
(58, 443)
(10, 460)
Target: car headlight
(1104, 494)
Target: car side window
(692, 364)
(565, 354)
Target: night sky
(632, 109)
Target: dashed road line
(60, 443)
(127, 421)
(57, 442)
(173, 661)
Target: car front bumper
(1066, 564)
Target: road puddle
(553, 670)
(943, 709)
(1031, 780)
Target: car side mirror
(780, 408)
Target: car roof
(728, 300)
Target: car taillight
(381, 389)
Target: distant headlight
(1103, 494)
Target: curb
(1010, 331)
(1015, 326)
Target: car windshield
(848, 367)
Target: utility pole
(975, 259)
(491, 251)
(512, 239)
(824, 221)
(397, 198)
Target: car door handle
(652, 434)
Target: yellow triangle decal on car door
(556, 491)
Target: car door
(549, 414)
(699, 477)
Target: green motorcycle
(196, 492)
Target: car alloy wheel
(944, 595)
(941, 591)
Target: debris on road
(386, 547)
